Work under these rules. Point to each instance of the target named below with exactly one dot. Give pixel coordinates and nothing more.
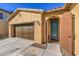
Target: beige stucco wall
(75, 12)
(28, 17)
(3, 28)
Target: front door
(54, 29)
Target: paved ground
(24, 47)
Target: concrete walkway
(24, 47)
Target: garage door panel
(18, 33)
(28, 34)
(25, 35)
(25, 31)
(31, 36)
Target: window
(1, 15)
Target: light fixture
(37, 22)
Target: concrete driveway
(23, 47)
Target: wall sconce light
(37, 22)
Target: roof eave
(65, 7)
(18, 10)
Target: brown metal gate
(66, 35)
(25, 31)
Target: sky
(45, 6)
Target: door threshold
(54, 41)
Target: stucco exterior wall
(3, 28)
(28, 17)
(75, 12)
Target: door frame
(48, 37)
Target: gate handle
(69, 36)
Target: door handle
(69, 36)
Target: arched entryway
(52, 35)
(63, 32)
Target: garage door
(25, 31)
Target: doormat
(43, 46)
